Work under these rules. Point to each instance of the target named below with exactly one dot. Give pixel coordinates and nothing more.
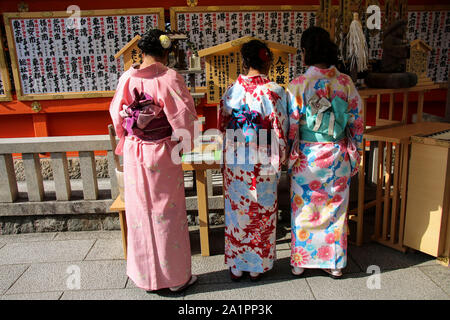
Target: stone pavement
(39, 266)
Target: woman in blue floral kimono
(325, 134)
(252, 107)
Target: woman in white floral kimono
(253, 103)
(325, 133)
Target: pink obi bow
(144, 119)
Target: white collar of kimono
(149, 71)
(318, 73)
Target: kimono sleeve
(223, 116)
(355, 127)
(355, 121)
(122, 97)
(294, 103)
(280, 123)
(179, 105)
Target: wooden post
(203, 218)
(379, 188)
(378, 107)
(404, 189)
(447, 105)
(361, 194)
(40, 125)
(112, 174)
(123, 227)
(387, 192)
(395, 196)
(405, 108)
(391, 106)
(420, 106)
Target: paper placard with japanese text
(5, 86)
(207, 27)
(223, 69)
(55, 60)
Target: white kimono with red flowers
(321, 172)
(250, 187)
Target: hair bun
(256, 55)
(150, 43)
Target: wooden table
(202, 198)
(390, 220)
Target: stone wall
(56, 223)
(80, 222)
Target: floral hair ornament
(165, 41)
(263, 54)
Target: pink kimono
(159, 253)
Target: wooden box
(427, 225)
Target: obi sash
(325, 121)
(145, 119)
(249, 121)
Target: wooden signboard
(54, 58)
(131, 53)
(418, 61)
(210, 26)
(5, 85)
(223, 65)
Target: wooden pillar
(405, 108)
(387, 192)
(203, 217)
(447, 106)
(391, 106)
(378, 109)
(420, 106)
(380, 174)
(396, 193)
(40, 125)
(403, 193)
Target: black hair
(150, 43)
(256, 54)
(318, 47)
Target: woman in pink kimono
(326, 132)
(252, 104)
(152, 101)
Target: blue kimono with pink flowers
(325, 134)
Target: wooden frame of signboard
(63, 14)
(4, 74)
